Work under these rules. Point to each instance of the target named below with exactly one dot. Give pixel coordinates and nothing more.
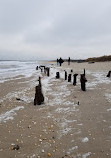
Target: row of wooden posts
(45, 69)
(83, 79)
(39, 98)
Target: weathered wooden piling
(109, 74)
(37, 68)
(65, 75)
(57, 75)
(71, 70)
(39, 98)
(45, 70)
(84, 72)
(75, 79)
(83, 81)
(42, 67)
(69, 78)
(48, 71)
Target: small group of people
(60, 61)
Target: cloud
(48, 29)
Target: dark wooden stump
(71, 70)
(37, 68)
(42, 67)
(57, 75)
(84, 72)
(83, 81)
(69, 78)
(65, 75)
(39, 98)
(47, 69)
(109, 74)
(75, 79)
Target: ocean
(22, 78)
(11, 69)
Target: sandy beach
(70, 124)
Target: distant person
(57, 61)
(69, 61)
(61, 61)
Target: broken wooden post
(74, 79)
(45, 70)
(71, 70)
(65, 75)
(84, 72)
(40, 68)
(109, 74)
(57, 75)
(37, 68)
(48, 70)
(40, 82)
(39, 98)
(83, 81)
(69, 78)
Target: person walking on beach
(57, 61)
(69, 61)
(61, 61)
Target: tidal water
(10, 69)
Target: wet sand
(60, 128)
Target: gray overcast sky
(49, 29)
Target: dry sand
(60, 128)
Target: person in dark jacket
(61, 61)
(69, 61)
